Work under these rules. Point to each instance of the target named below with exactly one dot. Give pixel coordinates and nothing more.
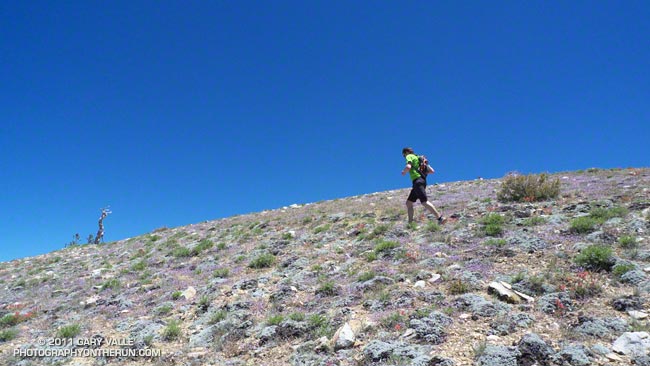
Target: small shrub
(172, 330)
(458, 287)
(596, 257)
(492, 224)
(583, 224)
(320, 326)
(528, 188)
(320, 229)
(627, 241)
(378, 231)
(287, 236)
(412, 226)
(113, 284)
(221, 272)
(394, 321)
(8, 334)
(534, 221)
(262, 261)
(385, 245)
(298, 317)
(327, 289)
(221, 246)
(9, 320)
(604, 214)
(433, 227)
(181, 252)
(204, 303)
(140, 266)
(274, 320)
(217, 316)
(499, 243)
(620, 269)
(204, 245)
(176, 295)
(371, 257)
(68, 331)
(366, 276)
(163, 309)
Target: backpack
(423, 169)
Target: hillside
(348, 282)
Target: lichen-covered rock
(573, 355)
(626, 303)
(377, 350)
(634, 277)
(479, 306)
(509, 323)
(552, 303)
(528, 243)
(498, 356)
(534, 351)
(600, 327)
(432, 327)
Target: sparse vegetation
(528, 188)
(172, 331)
(8, 334)
(596, 257)
(385, 245)
(221, 272)
(492, 224)
(264, 260)
(583, 224)
(68, 331)
(628, 241)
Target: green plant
(458, 287)
(181, 252)
(274, 319)
(113, 284)
(221, 246)
(534, 221)
(627, 241)
(394, 321)
(221, 272)
(621, 269)
(298, 317)
(140, 266)
(176, 295)
(217, 316)
(492, 224)
(68, 331)
(148, 340)
(366, 276)
(385, 245)
(204, 303)
(528, 188)
(320, 229)
(412, 226)
(604, 214)
(163, 309)
(371, 256)
(596, 257)
(583, 224)
(9, 320)
(378, 231)
(264, 260)
(499, 243)
(433, 226)
(8, 334)
(320, 326)
(203, 245)
(172, 330)
(327, 289)
(287, 236)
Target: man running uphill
(419, 180)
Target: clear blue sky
(178, 112)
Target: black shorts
(419, 191)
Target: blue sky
(178, 112)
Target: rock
(634, 277)
(534, 351)
(292, 328)
(91, 301)
(432, 327)
(434, 278)
(378, 350)
(479, 306)
(613, 357)
(573, 356)
(344, 337)
(638, 315)
(599, 327)
(503, 293)
(420, 284)
(641, 360)
(627, 303)
(189, 293)
(555, 302)
(498, 356)
(632, 343)
(268, 333)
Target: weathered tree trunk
(100, 232)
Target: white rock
(190, 293)
(632, 343)
(435, 277)
(420, 284)
(344, 337)
(638, 315)
(493, 338)
(613, 357)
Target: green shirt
(415, 165)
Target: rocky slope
(348, 282)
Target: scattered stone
(600, 327)
(432, 327)
(503, 293)
(420, 284)
(498, 356)
(534, 351)
(574, 356)
(344, 337)
(632, 343)
(434, 278)
(627, 303)
(479, 306)
(634, 277)
(552, 303)
(189, 293)
(638, 315)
